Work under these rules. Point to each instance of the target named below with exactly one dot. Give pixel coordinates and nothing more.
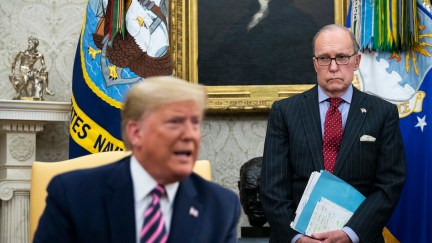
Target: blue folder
(334, 189)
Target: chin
(257, 221)
(183, 172)
(337, 88)
(175, 176)
(181, 169)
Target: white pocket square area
(367, 138)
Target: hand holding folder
(327, 204)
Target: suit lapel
(312, 125)
(119, 201)
(187, 214)
(354, 122)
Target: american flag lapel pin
(363, 110)
(193, 212)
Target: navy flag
(121, 42)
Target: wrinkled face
(335, 79)
(166, 141)
(250, 197)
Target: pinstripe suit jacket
(293, 149)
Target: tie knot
(158, 191)
(335, 102)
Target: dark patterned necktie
(332, 134)
(153, 229)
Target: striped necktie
(153, 229)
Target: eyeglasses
(340, 60)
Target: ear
(357, 61)
(132, 132)
(316, 67)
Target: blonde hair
(153, 92)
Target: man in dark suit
(152, 196)
(369, 154)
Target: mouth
(183, 153)
(257, 209)
(334, 80)
(258, 212)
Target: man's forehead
(335, 46)
(250, 178)
(334, 36)
(176, 108)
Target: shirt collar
(347, 96)
(143, 182)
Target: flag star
(421, 122)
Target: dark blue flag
(412, 219)
(405, 79)
(121, 43)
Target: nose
(258, 194)
(190, 130)
(333, 65)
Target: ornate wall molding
(21, 126)
(20, 121)
(34, 110)
(8, 188)
(21, 148)
(14, 219)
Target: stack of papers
(327, 204)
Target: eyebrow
(337, 54)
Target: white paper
(305, 197)
(327, 216)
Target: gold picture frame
(238, 98)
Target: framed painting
(248, 53)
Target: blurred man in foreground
(151, 196)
